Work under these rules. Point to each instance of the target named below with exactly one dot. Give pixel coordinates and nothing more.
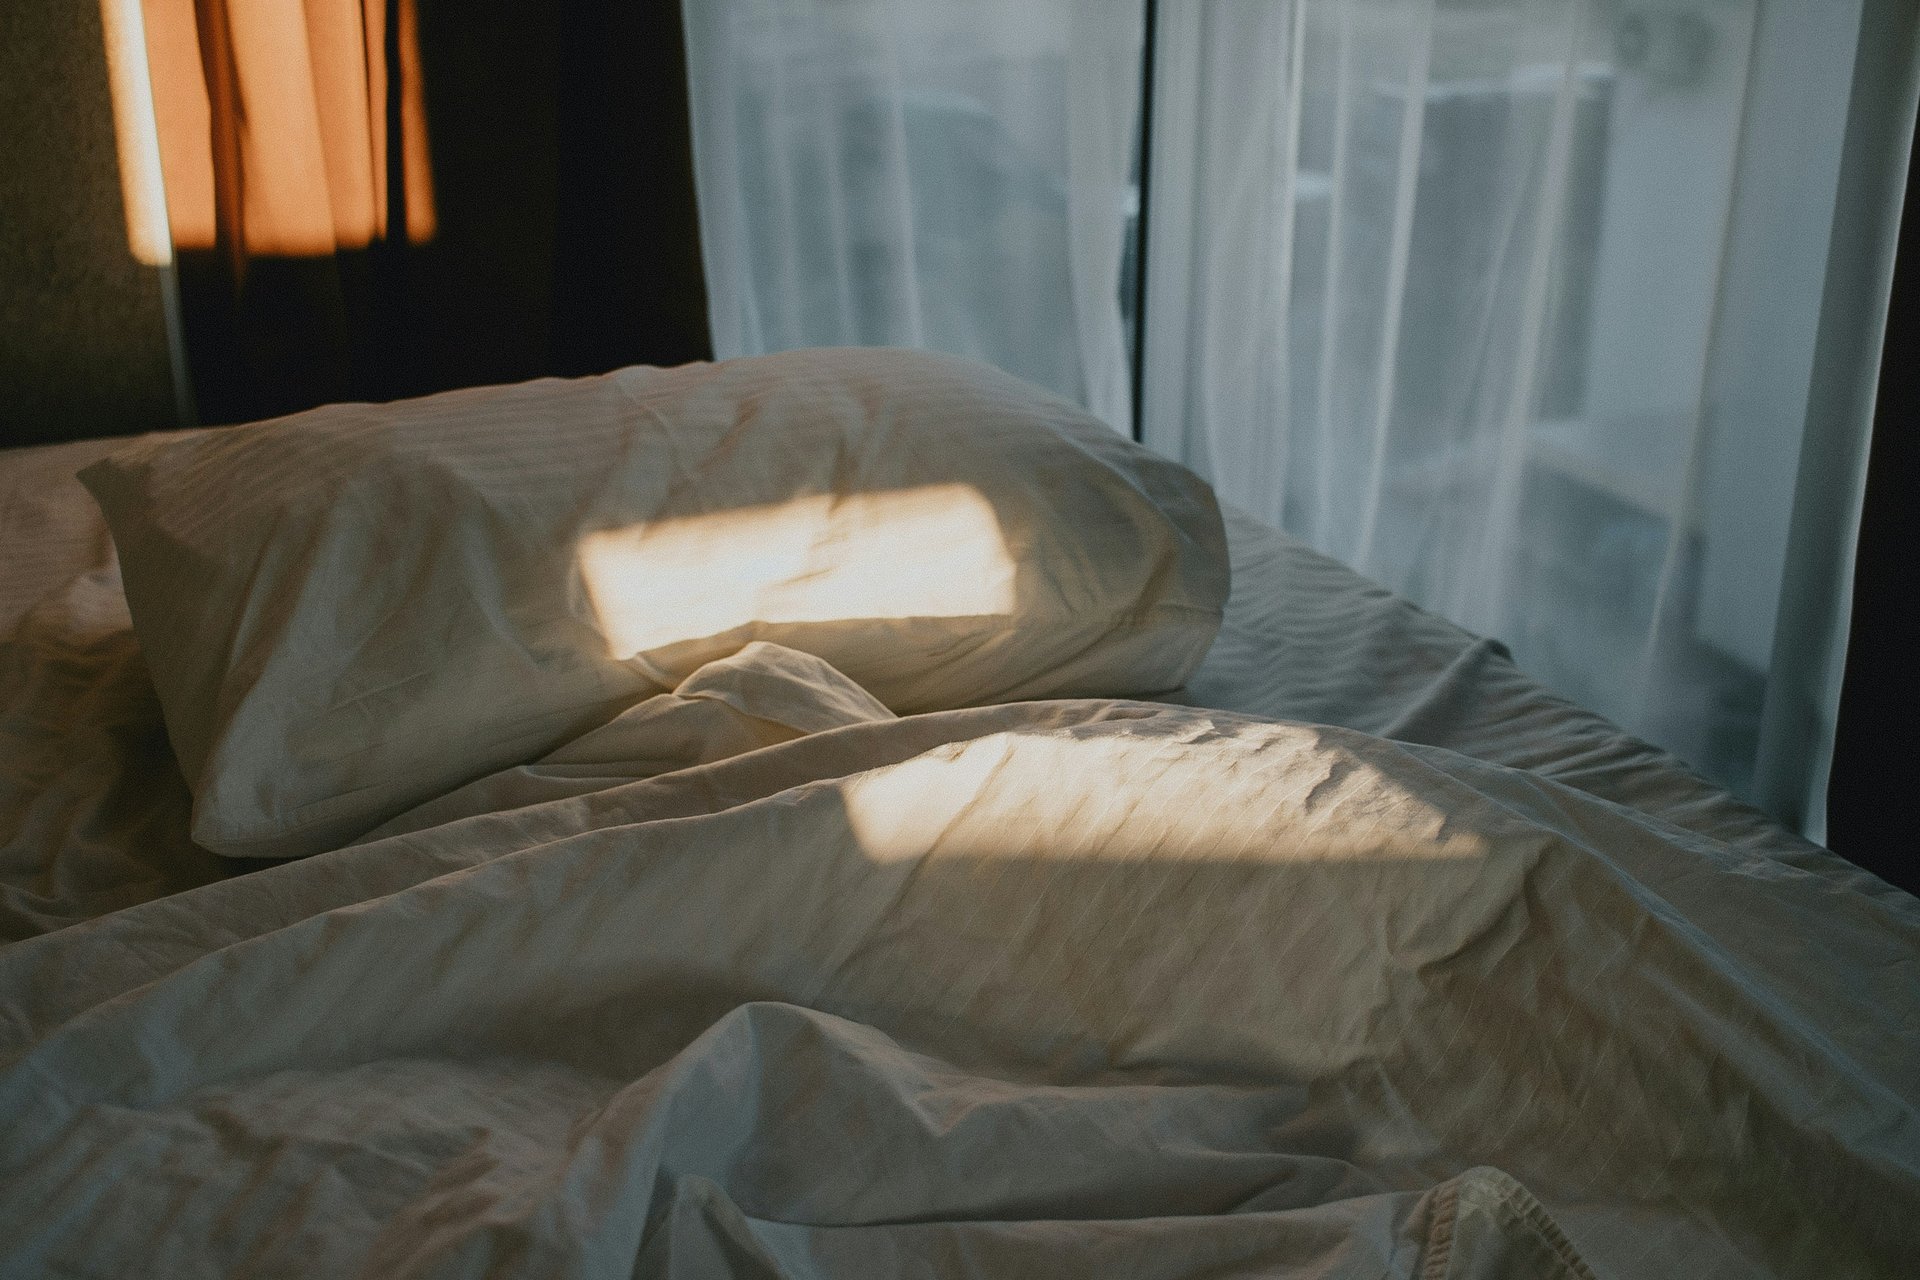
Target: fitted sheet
(1379, 960)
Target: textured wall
(83, 346)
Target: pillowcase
(352, 610)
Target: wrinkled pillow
(353, 610)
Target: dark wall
(627, 249)
(563, 173)
(83, 341)
(1869, 805)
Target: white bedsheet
(92, 812)
(759, 979)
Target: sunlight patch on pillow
(934, 551)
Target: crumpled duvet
(758, 979)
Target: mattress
(1361, 955)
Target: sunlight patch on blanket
(1115, 796)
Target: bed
(1360, 954)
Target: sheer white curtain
(1515, 305)
(1557, 316)
(947, 175)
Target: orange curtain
(293, 148)
(320, 257)
(275, 122)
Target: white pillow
(352, 610)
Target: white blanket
(757, 979)
(760, 980)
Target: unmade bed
(1360, 954)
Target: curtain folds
(1548, 314)
(274, 124)
(1520, 307)
(372, 199)
(294, 152)
(898, 173)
